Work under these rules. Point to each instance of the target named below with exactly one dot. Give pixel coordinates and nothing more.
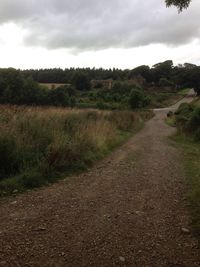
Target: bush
(194, 123)
(188, 119)
(138, 99)
(184, 109)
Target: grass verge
(190, 151)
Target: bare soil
(128, 210)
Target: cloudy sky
(91, 33)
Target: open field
(40, 145)
(52, 85)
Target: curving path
(128, 210)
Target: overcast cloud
(85, 25)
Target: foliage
(15, 89)
(162, 70)
(180, 4)
(163, 82)
(81, 81)
(138, 99)
(180, 76)
(188, 120)
(158, 82)
(143, 71)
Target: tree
(180, 4)
(143, 70)
(193, 79)
(31, 92)
(11, 86)
(162, 70)
(138, 99)
(59, 97)
(163, 82)
(188, 76)
(81, 81)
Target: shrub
(194, 123)
(138, 99)
(188, 119)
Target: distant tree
(31, 92)
(59, 97)
(143, 70)
(188, 76)
(189, 65)
(162, 70)
(193, 79)
(163, 82)
(11, 86)
(180, 4)
(121, 88)
(81, 81)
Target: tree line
(161, 74)
(22, 87)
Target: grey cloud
(93, 25)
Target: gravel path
(128, 210)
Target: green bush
(194, 123)
(138, 99)
(188, 120)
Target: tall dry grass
(39, 145)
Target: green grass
(184, 92)
(196, 102)
(171, 121)
(166, 99)
(190, 152)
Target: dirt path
(126, 211)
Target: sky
(90, 33)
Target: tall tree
(162, 70)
